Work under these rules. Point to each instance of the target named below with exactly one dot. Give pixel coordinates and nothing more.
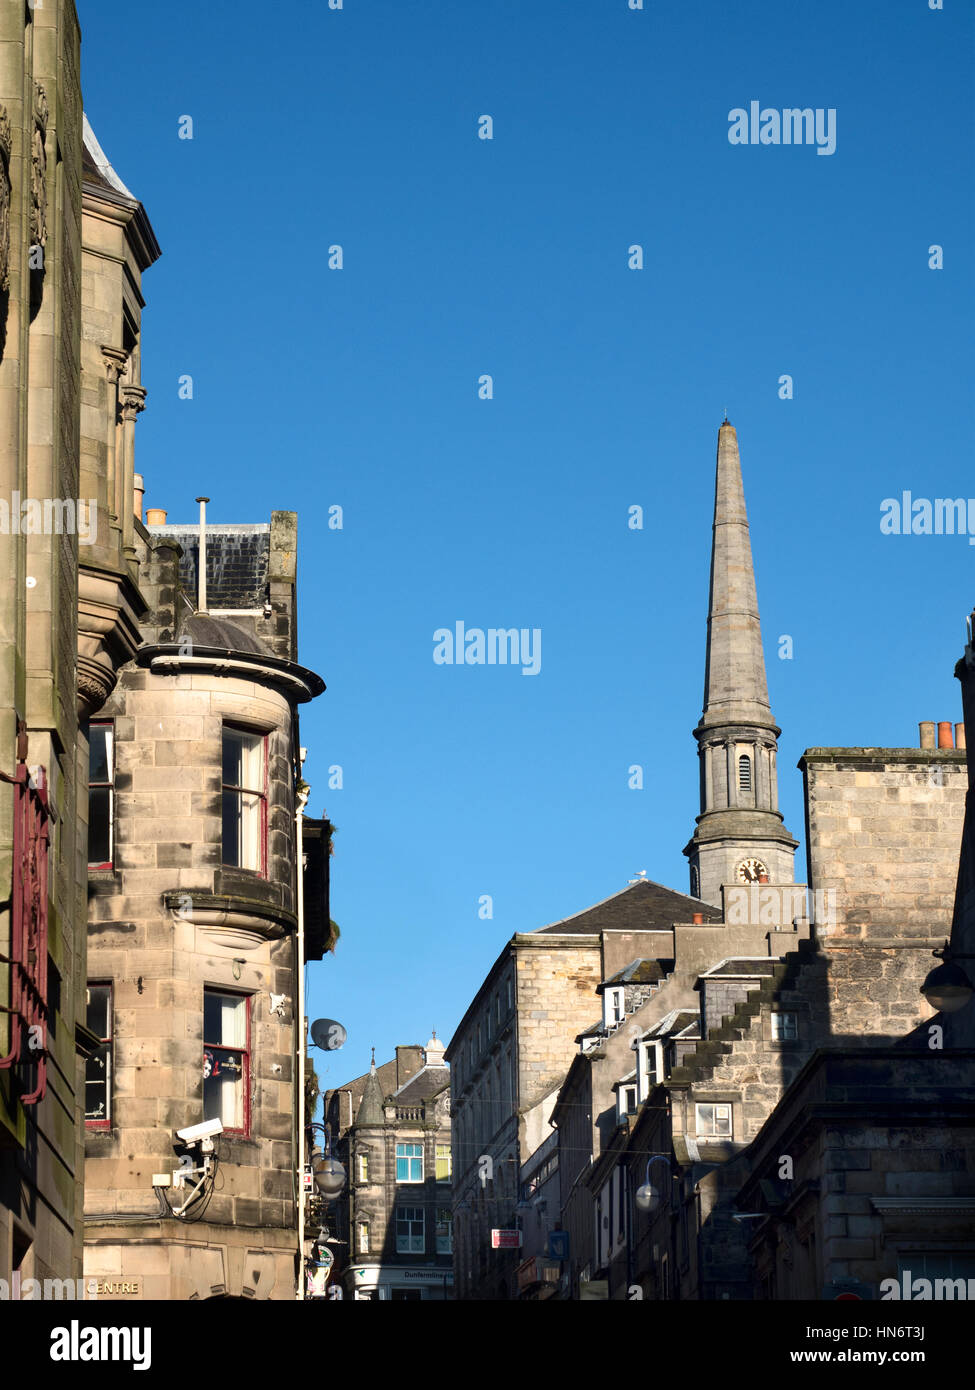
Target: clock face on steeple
(751, 870)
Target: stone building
(528, 1053)
(717, 1011)
(73, 246)
(723, 1110)
(739, 834)
(124, 793)
(511, 1051)
(392, 1133)
(193, 960)
(819, 1136)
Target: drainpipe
(201, 564)
(302, 802)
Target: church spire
(735, 688)
(740, 836)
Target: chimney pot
(698, 919)
(945, 739)
(960, 736)
(927, 733)
(138, 492)
(155, 516)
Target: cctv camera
(194, 1133)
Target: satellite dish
(328, 1035)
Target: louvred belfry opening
(27, 961)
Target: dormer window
(614, 1010)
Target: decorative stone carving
(108, 634)
(38, 173)
(115, 360)
(133, 400)
(5, 187)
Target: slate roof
(237, 561)
(387, 1080)
(677, 1021)
(95, 167)
(370, 1111)
(427, 1082)
(742, 965)
(638, 972)
(208, 631)
(642, 906)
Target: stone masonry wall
(884, 836)
(556, 1000)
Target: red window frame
(27, 1008)
(110, 784)
(244, 1051)
(106, 1123)
(230, 727)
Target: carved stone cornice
(109, 606)
(115, 360)
(133, 400)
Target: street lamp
(947, 987)
(328, 1173)
(647, 1197)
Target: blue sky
(358, 388)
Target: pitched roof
(677, 1021)
(642, 906)
(638, 972)
(427, 1082)
(371, 1110)
(95, 164)
(387, 1080)
(749, 967)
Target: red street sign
(506, 1240)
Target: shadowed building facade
(193, 963)
(392, 1130)
(74, 243)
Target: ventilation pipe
(201, 563)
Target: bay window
(244, 799)
(226, 1059)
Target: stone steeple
(739, 836)
(371, 1110)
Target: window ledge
(104, 875)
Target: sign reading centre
(505, 1240)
